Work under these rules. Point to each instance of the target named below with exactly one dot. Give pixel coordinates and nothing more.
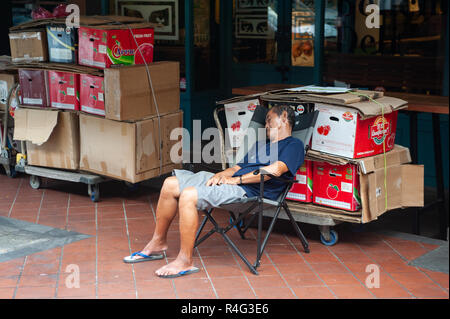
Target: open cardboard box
(52, 137)
(404, 182)
(128, 151)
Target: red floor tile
(40, 292)
(351, 292)
(274, 293)
(6, 293)
(241, 293)
(303, 280)
(339, 279)
(313, 293)
(427, 291)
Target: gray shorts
(208, 196)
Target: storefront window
(206, 44)
(396, 45)
(170, 38)
(302, 33)
(254, 28)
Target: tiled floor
(121, 224)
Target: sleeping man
(188, 192)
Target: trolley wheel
(332, 240)
(35, 182)
(130, 187)
(94, 192)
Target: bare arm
(276, 169)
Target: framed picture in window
(162, 12)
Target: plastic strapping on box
(384, 145)
(153, 92)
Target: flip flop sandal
(131, 260)
(181, 273)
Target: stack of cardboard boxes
(110, 114)
(353, 165)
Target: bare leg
(165, 212)
(188, 227)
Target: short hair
(279, 109)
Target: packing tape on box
(25, 35)
(384, 144)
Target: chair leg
(266, 238)
(297, 229)
(240, 254)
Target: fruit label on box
(103, 48)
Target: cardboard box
(336, 186)
(128, 93)
(64, 88)
(303, 190)
(404, 182)
(34, 87)
(28, 46)
(127, 151)
(92, 94)
(52, 137)
(101, 48)
(342, 132)
(7, 81)
(62, 44)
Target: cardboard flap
(413, 185)
(120, 22)
(239, 99)
(397, 156)
(34, 126)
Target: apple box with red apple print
(341, 131)
(302, 191)
(336, 186)
(64, 90)
(101, 47)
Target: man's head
(279, 122)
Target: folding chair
(255, 206)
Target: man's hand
(216, 179)
(230, 180)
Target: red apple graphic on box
(320, 130)
(326, 130)
(332, 191)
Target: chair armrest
(263, 172)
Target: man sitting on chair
(189, 192)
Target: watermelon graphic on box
(302, 191)
(336, 186)
(92, 92)
(102, 48)
(64, 90)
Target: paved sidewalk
(122, 224)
